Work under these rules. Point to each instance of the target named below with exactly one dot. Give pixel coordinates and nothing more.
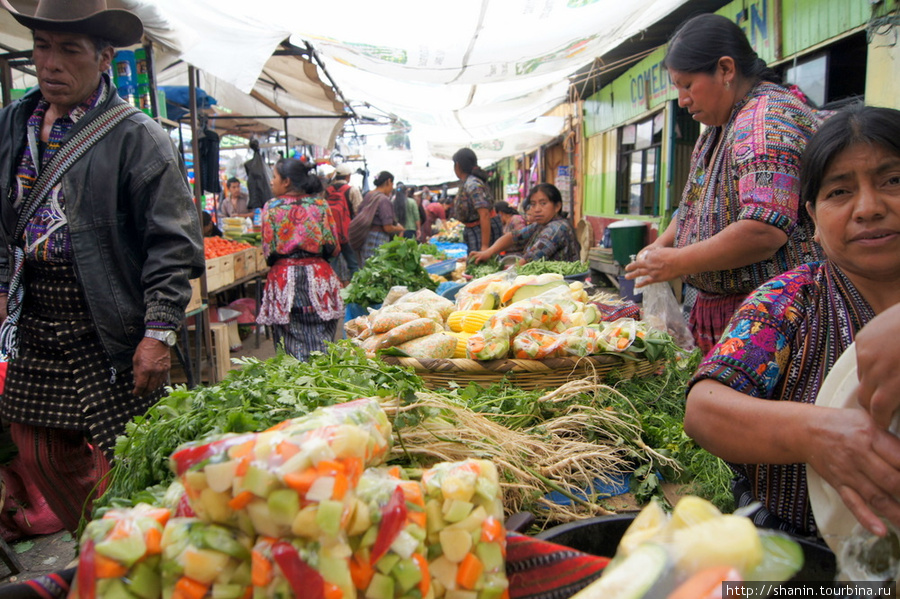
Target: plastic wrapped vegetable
(202, 560)
(431, 300)
(282, 569)
(690, 553)
(388, 536)
(618, 336)
(297, 474)
(466, 539)
(536, 344)
(579, 341)
(120, 553)
(485, 293)
(438, 345)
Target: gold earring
(728, 85)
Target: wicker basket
(525, 374)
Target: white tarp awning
(469, 69)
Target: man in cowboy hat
(96, 248)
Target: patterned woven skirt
(63, 377)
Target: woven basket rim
(511, 365)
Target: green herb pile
(397, 262)
(485, 268)
(539, 267)
(429, 249)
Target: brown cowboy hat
(90, 17)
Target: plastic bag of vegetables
(298, 473)
(119, 554)
(201, 560)
(466, 539)
(282, 569)
(689, 554)
(485, 293)
(388, 536)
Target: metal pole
(198, 204)
(287, 140)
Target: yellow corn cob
(468, 321)
(461, 338)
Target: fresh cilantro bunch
(397, 262)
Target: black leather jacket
(135, 233)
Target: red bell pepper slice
(393, 517)
(87, 572)
(305, 581)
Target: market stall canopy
(250, 76)
(470, 69)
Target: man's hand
(151, 366)
(3, 302)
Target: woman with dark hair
(301, 302)
(751, 401)
(740, 221)
(375, 222)
(549, 237)
(513, 222)
(473, 205)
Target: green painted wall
(806, 23)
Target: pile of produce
(214, 247)
(565, 440)
(692, 552)
(239, 228)
(304, 509)
(451, 231)
(489, 267)
(539, 267)
(396, 263)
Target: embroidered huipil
(473, 195)
(47, 233)
(298, 227)
(554, 241)
(297, 232)
(780, 345)
(749, 169)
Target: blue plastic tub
(351, 310)
(441, 268)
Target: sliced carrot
(108, 568)
(242, 450)
(353, 467)
(416, 517)
(302, 481)
(330, 467)
(706, 584)
(469, 571)
(425, 583)
(120, 530)
(333, 591)
(491, 530)
(240, 501)
(242, 466)
(340, 486)
(622, 343)
(260, 569)
(394, 471)
(287, 450)
(153, 539)
(413, 492)
(190, 588)
(361, 571)
(160, 514)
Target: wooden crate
(219, 272)
(242, 264)
(196, 300)
(260, 259)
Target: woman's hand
(861, 460)
(482, 256)
(654, 264)
(877, 356)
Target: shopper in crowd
(338, 193)
(302, 299)
(473, 205)
(374, 224)
(513, 222)
(740, 221)
(235, 201)
(208, 226)
(751, 400)
(411, 221)
(550, 237)
(434, 212)
(342, 173)
(88, 346)
(398, 203)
